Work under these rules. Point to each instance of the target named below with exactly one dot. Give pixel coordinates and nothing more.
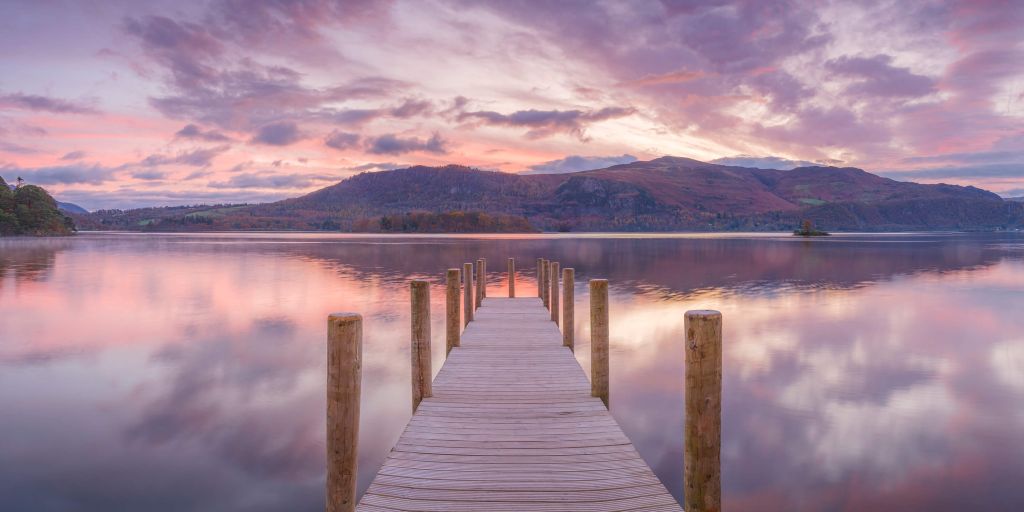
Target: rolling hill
(665, 194)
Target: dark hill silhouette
(664, 194)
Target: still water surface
(186, 372)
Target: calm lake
(186, 372)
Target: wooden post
(544, 287)
(702, 470)
(568, 314)
(599, 339)
(467, 296)
(344, 375)
(421, 375)
(540, 278)
(511, 278)
(483, 280)
(479, 282)
(451, 325)
(554, 292)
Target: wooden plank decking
(512, 426)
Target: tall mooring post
(344, 377)
(511, 278)
(599, 339)
(540, 278)
(545, 288)
(421, 374)
(480, 279)
(568, 308)
(702, 470)
(555, 308)
(467, 296)
(451, 313)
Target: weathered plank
(512, 425)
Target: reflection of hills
(676, 264)
(30, 259)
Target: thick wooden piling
(467, 296)
(511, 278)
(479, 282)
(421, 374)
(554, 292)
(451, 324)
(568, 313)
(544, 280)
(344, 376)
(540, 278)
(599, 339)
(702, 470)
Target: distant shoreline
(545, 234)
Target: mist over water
(186, 372)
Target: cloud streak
(193, 132)
(545, 123)
(278, 134)
(195, 158)
(577, 163)
(61, 175)
(39, 103)
(391, 144)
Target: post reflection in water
(186, 372)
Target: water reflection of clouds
(824, 386)
(879, 376)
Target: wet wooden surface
(512, 426)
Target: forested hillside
(29, 210)
(666, 194)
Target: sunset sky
(119, 104)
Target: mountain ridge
(664, 194)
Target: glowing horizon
(154, 103)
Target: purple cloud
(357, 116)
(763, 162)
(747, 35)
(577, 163)
(10, 147)
(342, 140)
(410, 108)
(830, 127)
(73, 155)
(191, 131)
(377, 166)
(963, 172)
(391, 144)
(68, 174)
(182, 47)
(273, 180)
(211, 85)
(44, 104)
(879, 78)
(196, 158)
(293, 27)
(543, 123)
(149, 175)
(278, 134)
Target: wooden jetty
(511, 421)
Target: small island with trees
(446, 222)
(807, 229)
(30, 210)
